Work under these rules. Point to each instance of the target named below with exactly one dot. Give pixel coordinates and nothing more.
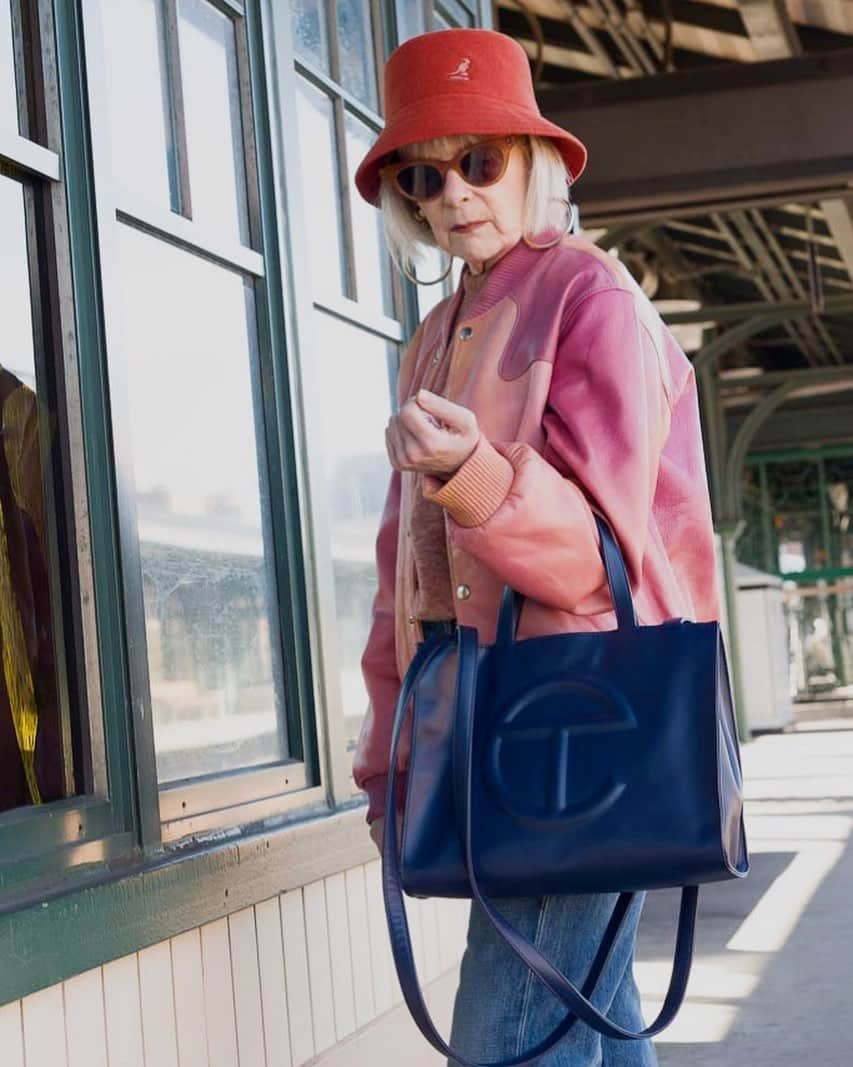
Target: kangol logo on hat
(452, 82)
(461, 72)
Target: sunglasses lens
(420, 181)
(483, 164)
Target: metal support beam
(775, 312)
(839, 218)
(710, 151)
(729, 533)
(770, 28)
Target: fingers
(430, 434)
(411, 437)
(376, 830)
(452, 415)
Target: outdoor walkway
(772, 981)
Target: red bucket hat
(459, 82)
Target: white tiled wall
(274, 985)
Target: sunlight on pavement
(772, 920)
(799, 818)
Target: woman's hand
(431, 435)
(377, 828)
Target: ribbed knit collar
(502, 277)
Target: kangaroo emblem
(461, 72)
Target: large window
(217, 657)
(356, 323)
(32, 760)
(45, 748)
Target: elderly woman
(546, 388)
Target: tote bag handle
(395, 909)
(527, 952)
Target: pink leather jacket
(585, 403)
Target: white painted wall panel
(296, 975)
(247, 988)
(12, 1035)
(319, 965)
(44, 1028)
(429, 927)
(218, 995)
(385, 987)
(273, 985)
(85, 1024)
(190, 1022)
(413, 911)
(123, 1015)
(159, 1032)
(301, 977)
(337, 914)
(359, 934)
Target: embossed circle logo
(546, 757)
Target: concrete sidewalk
(772, 980)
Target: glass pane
(202, 502)
(141, 131)
(16, 324)
(355, 42)
(31, 765)
(310, 35)
(838, 474)
(372, 261)
(8, 100)
(797, 527)
(214, 125)
(320, 186)
(451, 14)
(357, 474)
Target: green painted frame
(68, 864)
(814, 455)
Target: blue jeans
(501, 1010)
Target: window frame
(305, 305)
(170, 811)
(39, 843)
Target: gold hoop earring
(435, 281)
(568, 229)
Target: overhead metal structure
(721, 149)
(721, 171)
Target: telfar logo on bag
(552, 728)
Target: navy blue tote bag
(569, 763)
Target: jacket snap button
(465, 332)
(411, 620)
(463, 592)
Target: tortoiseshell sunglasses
(480, 164)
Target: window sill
(100, 915)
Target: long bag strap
(395, 910)
(554, 979)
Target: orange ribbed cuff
(477, 489)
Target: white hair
(547, 187)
